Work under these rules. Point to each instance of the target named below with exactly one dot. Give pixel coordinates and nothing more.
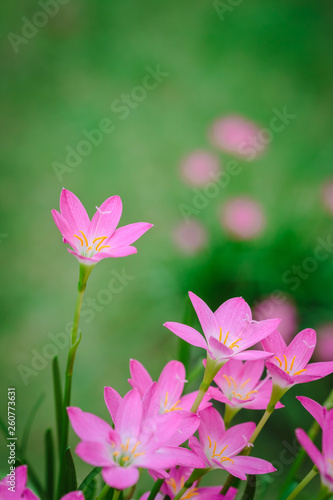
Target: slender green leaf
(28, 424)
(155, 489)
(90, 490)
(250, 489)
(3, 427)
(49, 464)
(57, 395)
(70, 476)
(92, 474)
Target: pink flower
(169, 388)
(243, 218)
(199, 168)
(239, 136)
(239, 385)
(135, 442)
(325, 342)
(97, 239)
(19, 490)
(279, 306)
(315, 409)
(228, 331)
(324, 460)
(220, 447)
(289, 366)
(190, 237)
(175, 482)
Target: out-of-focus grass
(262, 56)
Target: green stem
(155, 489)
(211, 369)
(116, 494)
(75, 340)
(105, 491)
(303, 483)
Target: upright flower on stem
(94, 240)
(228, 333)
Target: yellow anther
(227, 379)
(234, 344)
(300, 371)
(226, 338)
(244, 383)
(89, 248)
(172, 483)
(139, 454)
(116, 453)
(174, 407)
(105, 246)
(127, 443)
(190, 493)
(219, 454)
(285, 363)
(85, 238)
(78, 237)
(226, 459)
(279, 360)
(210, 441)
(102, 238)
(233, 381)
(214, 450)
(135, 446)
(125, 458)
(292, 363)
(166, 398)
(251, 392)
(182, 481)
(220, 337)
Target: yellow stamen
(174, 407)
(78, 237)
(85, 238)
(89, 248)
(300, 371)
(139, 454)
(251, 392)
(116, 453)
(127, 443)
(220, 337)
(226, 337)
(182, 481)
(279, 360)
(102, 238)
(219, 454)
(227, 379)
(135, 446)
(226, 459)
(244, 383)
(166, 399)
(190, 493)
(234, 344)
(172, 483)
(125, 458)
(285, 363)
(214, 450)
(233, 381)
(292, 363)
(210, 441)
(105, 246)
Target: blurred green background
(252, 58)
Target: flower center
(214, 454)
(233, 344)
(240, 394)
(285, 367)
(192, 492)
(123, 456)
(95, 246)
(174, 407)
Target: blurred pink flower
(243, 218)
(325, 342)
(279, 307)
(190, 237)
(238, 136)
(221, 448)
(327, 196)
(199, 168)
(96, 239)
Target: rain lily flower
(324, 460)
(289, 366)
(169, 389)
(190, 237)
(243, 218)
(135, 442)
(15, 488)
(199, 168)
(175, 482)
(220, 448)
(228, 331)
(94, 240)
(239, 385)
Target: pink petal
(126, 235)
(112, 400)
(129, 415)
(89, 427)
(151, 401)
(65, 229)
(120, 477)
(255, 332)
(21, 477)
(97, 454)
(302, 346)
(197, 448)
(163, 429)
(274, 343)
(314, 371)
(252, 355)
(317, 411)
(232, 314)
(106, 218)
(141, 379)
(252, 370)
(188, 424)
(74, 495)
(172, 380)
(237, 437)
(253, 465)
(187, 401)
(218, 350)
(280, 377)
(233, 469)
(187, 333)
(178, 456)
(27, 495)
(206, 317)
(218, 395)
(310, 448)
(212, 425)
(113, 254)
(328, 436)
(73, 211)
